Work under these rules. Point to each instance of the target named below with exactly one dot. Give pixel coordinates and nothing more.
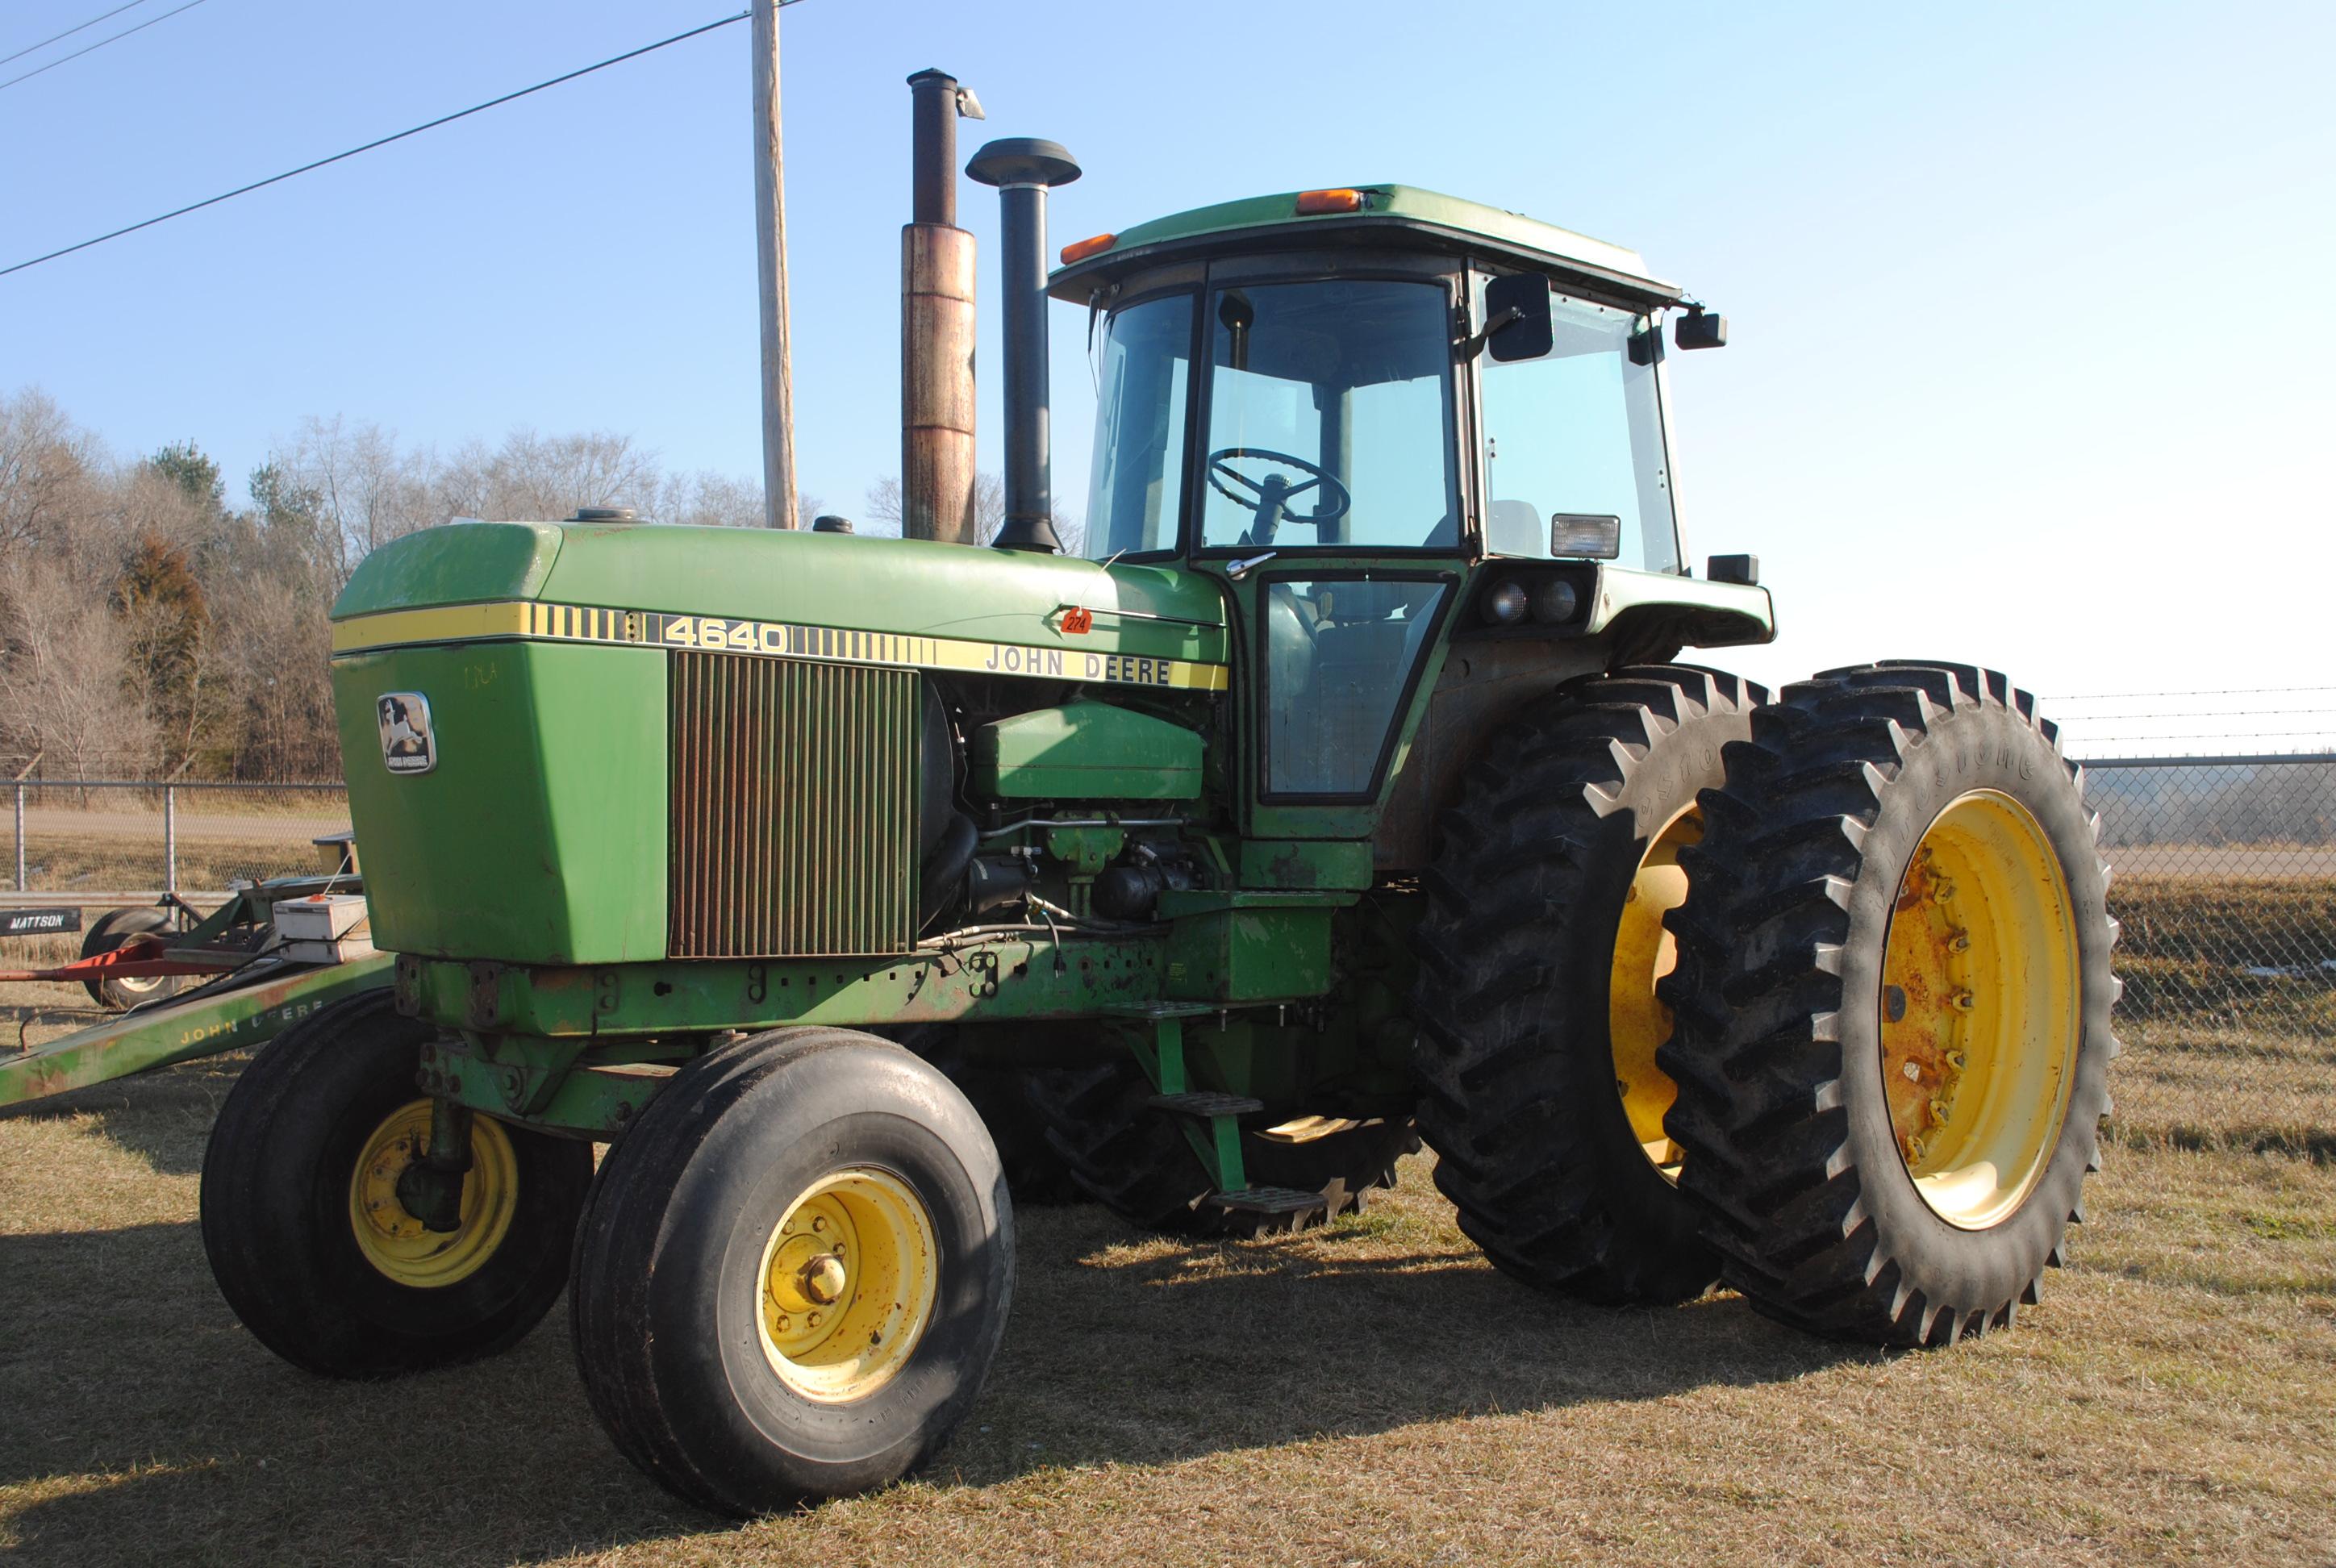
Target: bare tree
(45, 467)
(708, 500)
(65, 686)
(884, 505)
(144, 621)
(367, 491)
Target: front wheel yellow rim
(396, 1244)
(1637, 1020)
(847, 1285)
(1980, 1021)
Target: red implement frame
(138, 957)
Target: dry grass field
(115, 847)
(1369, 1394)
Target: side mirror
(1701, 328)
(1517, 324)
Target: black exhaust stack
(1022, 168)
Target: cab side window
(1579, 433)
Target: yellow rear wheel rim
(847, 1285)
(1979, 1021)
(392, 1241)
(1637, 1020)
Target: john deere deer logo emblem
(406, 745)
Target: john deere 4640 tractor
(1342, 790)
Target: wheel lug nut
(812, 1319)
(819, 1222)
(1959, 942)
(1965, 1001)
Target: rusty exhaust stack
(937, 324)
(1023, 169)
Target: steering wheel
(1269, 496)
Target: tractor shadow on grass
(1131, 1350)
(135, 1410)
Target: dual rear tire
(1894, 1001)
(1861, 1079)
(1539, 949)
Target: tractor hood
(781, 591)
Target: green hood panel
(461, 563)
(842, 580)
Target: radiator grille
(793, 828)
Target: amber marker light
(1340, 200)
(1093, 245)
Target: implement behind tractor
(274, 953)
(1343, 789)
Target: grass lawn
(1373, 1393)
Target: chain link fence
(102, 842)
(2224, 884)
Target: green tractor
(1340, 789)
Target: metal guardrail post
(170, 838)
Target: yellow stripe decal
(526, 619)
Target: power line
(380, 141)
(113, 38)
(43, 44)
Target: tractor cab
(1349, 404)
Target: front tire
(1893, 998)
(794, 1272)
(304, 1232)
(1540, 950)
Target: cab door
(1328, 494)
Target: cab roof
(1389, 217)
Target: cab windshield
(1329, 420)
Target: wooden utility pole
(771, 238)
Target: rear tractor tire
(304, 1226)
(1893, 999)
(1001, 1094)
(1540, 950)
(1120, 1151)
(794, 1272)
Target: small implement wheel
(1540, 949)
(1894, 997)
(306, 1226)
(120, 993)
(1118, 1150)
(794, 1271)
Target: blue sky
(2030, 329)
